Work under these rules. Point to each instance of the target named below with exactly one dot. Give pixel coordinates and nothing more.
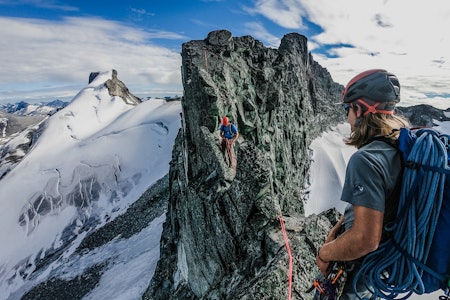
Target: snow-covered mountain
(19, 128)
(93, 160)
(23, 108)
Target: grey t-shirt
(371, 178)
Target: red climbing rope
(286, 241)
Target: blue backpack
(416, 259)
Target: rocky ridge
(222, 238)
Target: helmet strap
(372, 109)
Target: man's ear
(358, 110)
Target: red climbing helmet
(377, 90)
(225, 121)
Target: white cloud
(61, 53)
(410, 42)
(47, 4)
(259, 32)
(408, 38)
(142, 12)
(286, 13)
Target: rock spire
(222, 237)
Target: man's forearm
(348, 246)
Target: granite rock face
(222, 238)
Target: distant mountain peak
(117, 88)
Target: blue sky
(49, 47)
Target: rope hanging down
(286, 241)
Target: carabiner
(319, 286)
(338, 274)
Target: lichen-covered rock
(222, 237)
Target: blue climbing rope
(395, 269)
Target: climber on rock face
(228, 135)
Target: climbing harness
(231, 159)
(330, 287)
(286, 241)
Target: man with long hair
(373, 175)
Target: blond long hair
(373, 125)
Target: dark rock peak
(57, 103)
(92, 76)
(222, 238)
(423, 115)
(296, 44)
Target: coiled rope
(396, 267)
(286, 241)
